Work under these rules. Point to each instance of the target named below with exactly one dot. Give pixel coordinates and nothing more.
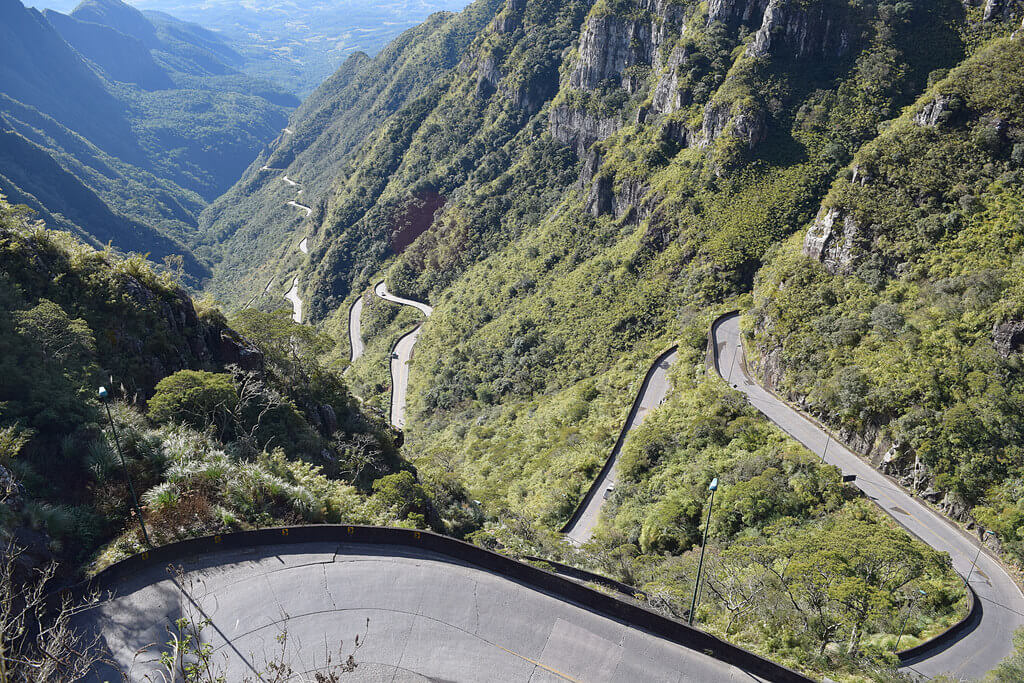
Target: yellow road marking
(536, 663)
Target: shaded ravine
(984, 642)
(401, 354)
(652, 393)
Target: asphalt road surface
(430, 619)
(355, 330)
(402, 355)
(1001, 599)
(652, 393)
(293, 296)
(309, 211)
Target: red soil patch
(414, 221)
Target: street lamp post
(910, 609)
(984, 535)
(700, 565)
(135, 499)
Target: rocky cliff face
(609, 43)
(799, 30)
(578, 128)
(1008, 337)
(1003, 10)
(935, 112)
(650, 38)
(736, 11)
(832, 239)
(744, 121)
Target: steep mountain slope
(590, 184)
(153, 122)
(250, 223)
(897, 315)
(222, 427)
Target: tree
(1012, 668)
(401, 493)
(291, 351)
(66, 341)
(198, 399)
(37, 639)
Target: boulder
(1008, 337)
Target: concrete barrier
(949, 636)
(623, 432)
(628, 613)
(589, 577)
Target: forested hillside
(251, 221)
(897, 314)
(575, 187)
(592, 182)
(121, 128)
(223, 427)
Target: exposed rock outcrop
(488, 76)
(832, 240)
(511, 18)
(935, 112)
(667, 95)
(1003, 10)
(622, 201)
(1008, 337)
(734, 11)
(611, 43)
(608, 45)
(744, 121)
(579, 129)
(795, 30)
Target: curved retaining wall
(928, 647)
(610, 462)
(590, 577)
(566, 589)
(947, 637)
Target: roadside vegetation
(910, 345)
(222, 428)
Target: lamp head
(713, 486)
(102, 393)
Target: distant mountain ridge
(147, 117)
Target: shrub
(196, 398)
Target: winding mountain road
(1002, 604)
(296, 300)
(355, 330)
(401, 355)
(420, 616)
(309, 211)
(652, 393)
